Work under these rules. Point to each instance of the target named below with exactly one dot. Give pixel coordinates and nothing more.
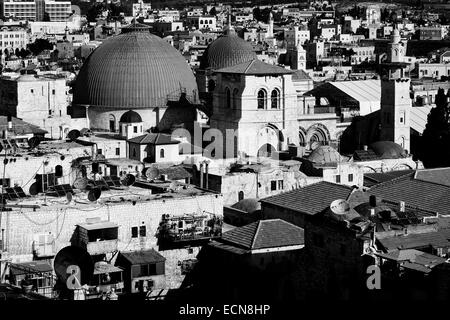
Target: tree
(213, 11)
(39, 45)
(434, 147)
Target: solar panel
(102, 184)
(20, 192)
(62, 190)
(112, 181)
(11, 193)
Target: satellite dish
(73, 135)
(152, 173)
(73, 256)
(340, 207)
(85, 132)
(34, 190)
(128, 180)
(69, 197)
(33, 142)
(80, 183)
(94, 194)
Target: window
(280, 185)
(262, 94)
(235, 98)
(337, 178)
(142, 231)
(32, 91)
(161, 153)
(228, 94)
(350, 177)
(273, 185)
(53, 91)
(241, 195)
(99, 151)
(117, 151)
(134, 232)
(275, 99)
(135, 129)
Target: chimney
(201, 174)
(373, 201)
(365, 147)
(402, 206)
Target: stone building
(40, 100)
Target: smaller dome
(130, 117)
(249, 205)
(324, 154)
(388, 150)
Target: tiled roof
(415, 193)
(175, 173)
(154, 138)
(255, 67)
(438, 175)
(143, 257)
(300, 75)
(414, 259)
(262, 234)
(371, 179)
(20, 127)
(311, 199)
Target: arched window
(161, 153)
(275, 99)
(58, 171)
(112, 123)
(241, 195)
(228, 93)
(262, 101)
(235, 98)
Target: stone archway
(270, 135)
(317, 135)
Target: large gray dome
(133, 70)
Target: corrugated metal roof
(439, 239)
(255, 67)
(361, 90)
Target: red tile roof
(311, 199)
(263, 234)
(415, 193)
(154, 138)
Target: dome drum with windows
(134, 70)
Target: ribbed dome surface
(226, 51)
(133, 70)
(324, 154)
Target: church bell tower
(395, 96)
